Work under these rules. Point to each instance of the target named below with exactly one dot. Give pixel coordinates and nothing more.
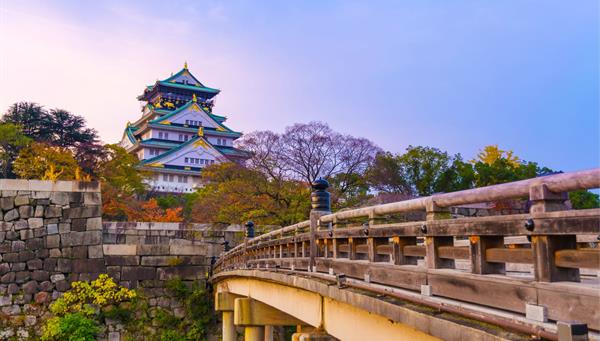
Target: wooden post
(432, 257)
(545, 247)
(398, 244)
(477, 249)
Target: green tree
(12, 140)
(584, 199)
(58, 127)
(41, 161)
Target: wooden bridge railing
(459, 258)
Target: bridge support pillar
(254, 333)
(224, 302)
(314, 336)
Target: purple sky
(456, 75)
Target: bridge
(374, 274)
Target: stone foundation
(51, 234)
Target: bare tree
(308, 151)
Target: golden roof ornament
(201, 131)
(185, 66)
(194, 99)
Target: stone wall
(51, 234)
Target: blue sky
(456, 75)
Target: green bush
(70, 327)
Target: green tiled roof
(226, 150)
(190, 87)
(160, 143)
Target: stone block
(53, 241)
(18, 266)
(88, 266)
(64, 265)
(137, 273)
(30, 287)
(7, 278)
(26, 234)
(50, 264)
(40, 275)
(55, 253)
(26, 211)
(21, 225)
(160, 260)
(40, 195)
(84, 212)
(18, 245)
(12, 235)
(59, 198)
(22, 277)
(34, 243)
(92, 198)
(4, 268)
(113, 336)
(53, 212)
(11, 257)
(21, 200)
(7, 203)
(12, 310)
(79, 252)
(78, 225)
(81, 238)
(46, 286)
(13, 289)
(35, 264)
(120, 250)
(39, 211)
(52, 229)
(95, 251)
(62, 286)
(153, 250)
(94, 224)
(5, 300)
(121, 260)
(11, 215)
(57, 277)
(76, 197)
(26, 255)
(64, 227)
(536, 312)
(183, 272)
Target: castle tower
(178, 134)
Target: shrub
(85, 297)
(70, 327)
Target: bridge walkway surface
(374, 273)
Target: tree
(58, 127)
(420, 171)
(491, 153)
(305, 152)
(12, 140)
(234, 194)
(584, 199)
(121, 183)
(41, 161)
(32, 117)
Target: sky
(456, 75)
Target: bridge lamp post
(321, 205)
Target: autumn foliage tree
(42, 161)
(235, 194)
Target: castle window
(160, 135)
(166, 136)
(171, 178)
(165, 177)
(185, 137)
(186, 160)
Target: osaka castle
(178, 134)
